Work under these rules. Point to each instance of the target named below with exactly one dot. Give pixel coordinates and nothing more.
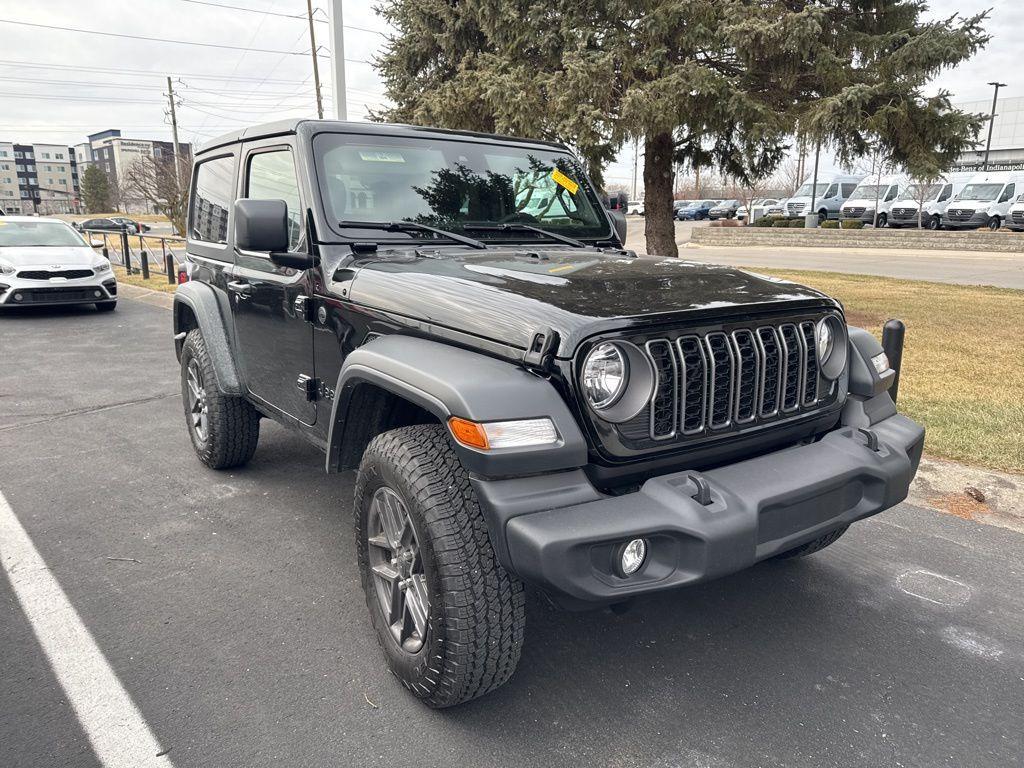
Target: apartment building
(43, 179)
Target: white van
(832, 191)
(1015, 216)
(883, 189)
(984, 201)
(936, 198)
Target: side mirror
(262, 226)
(619, 223)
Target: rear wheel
(813, 546)
(448, 617)
(224, 429)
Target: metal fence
(140, 253)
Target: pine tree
(716, 83)
(96, 190)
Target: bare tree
(789, 177)
(154, 180)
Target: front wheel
(224, 429)
(822, 216)
(994, 223)
(448, 617)
(881, 220)
(935, 222)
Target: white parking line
(119, 735)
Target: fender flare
(451, 381)
(201, 300)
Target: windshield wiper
(520, 227)
(413, 226)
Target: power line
(147, 73)
(136, 86)
(282, 15)
(154, 39)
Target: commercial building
(1007, 153)
(114, 155)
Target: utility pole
(636, 151)
(316, 67)
(337, 29)
(808, 221)
(991, 121)
(174, 131)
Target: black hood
(508, 294)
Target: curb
(1002, 242)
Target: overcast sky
(98, 82)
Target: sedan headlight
(605, 373)
(6, 269)
(103, 266)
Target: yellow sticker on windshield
(564, 181)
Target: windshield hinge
(541, 350)
(304, 308)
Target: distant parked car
(724, 210)
(635, 208)
(112, 224)
(760, 207)
(1015, 215)
(696, 210)
(44, 261)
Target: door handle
(241, 288)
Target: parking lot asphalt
(228, 605)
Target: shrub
(797, 224)
(780, 223)
(764, 221)
(852, 224)
(830, 224)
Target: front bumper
(759, 508)
(961, 221)
(19, 292)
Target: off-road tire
(106, 306)
(477, 614)
(813, 546)
(233, 424)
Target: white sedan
(45, 261)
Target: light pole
(991, 121)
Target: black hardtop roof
(292, 126)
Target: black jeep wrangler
(454, 316)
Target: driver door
(275, 341)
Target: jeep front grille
(725, 379)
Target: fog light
(632, 557)
(18, 297)
(97, 294)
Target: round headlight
(823, 335)
(605, 374)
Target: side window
(848, 189)
(211, 200)
(272, 177)
(832, 191)
(946, 192)
(891, 194)
(1007, 193)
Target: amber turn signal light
(468, 433)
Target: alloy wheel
(198, 408)
(397, 568)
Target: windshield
(923, 191)
(869, 191)
(455, 185)
(37, 233)
(805, 190)
(982, 192)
